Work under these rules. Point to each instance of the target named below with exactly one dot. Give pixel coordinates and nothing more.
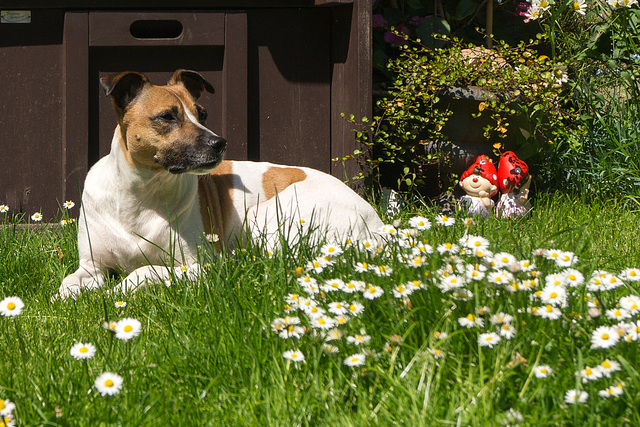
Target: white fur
(139, 220)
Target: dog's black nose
(218, 143)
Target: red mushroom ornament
(514, 181)
(480, 182)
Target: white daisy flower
(552, 254)
(306, 304)
(294, 355)
(4, 208)
(416, 261)
(604, 337)
(368, 245)
(82, 351)
(422, 248)
(314, 311)
(11, 306)
(630, 303)
(440, 335)
(356, 308)
(357, 359)
(334, 334)
(372, 292)
(502, 260)
(127, 328)
(549, 312)
(618, 314)
(448, 248)
(292, 328)
(555, 279)
(489, 339)
(363, 267)
(108, 383)
(388, 230)
(331, 349)
(499, 277)
(120, 304)
(358, 339)
(37, 217)
(500, 318)
(383, 271)
(630, 275)
(323, 322)
(436, 353)
(607, 367)
(589, 374)
(542, 371)
(554, 295)
(332, 285)
(576, 396)
(507, 331)
(445, 220)
(462, 294)
(420, 223)
(341, 319)
(6, 407)
(317, 265)
(526, 265)
(338, 308)
(475, 271)
(566, 259)
(572, 277)
(353, 286)
(579, 6)
(471, 321)
(401, 291)
(331, 249)
(68, 204)
(307, 280)
(474, 242)
(451, 282)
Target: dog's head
(163, 128)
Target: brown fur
(275, 180)
(216, 200)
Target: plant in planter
(518, 102)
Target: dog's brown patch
(275, 180)
(216, 200)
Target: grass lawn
(440, 344)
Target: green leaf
(430, 26)
(465, 8)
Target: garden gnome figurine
(480, 182)
(514, 181)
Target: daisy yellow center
(293, 356)
(632, 273)
(314, 309)
(572, 277)
(576, 5)
(83, 350)
(478, 243)
(444, 218)
(400, 289)
(588, 371)
(553, 295)
(372, 290)
(383, 268)
(364, 265)
(634, 306)
(352, 307)
(505, 259)
(605, 336)
(505, 327)
(462, 295)
(447, 245)
(543, 370)
(354, 359)
(498, 279)
(549, 308)
(421, 223)
(2, 405)
(544, 3)
(534, 310)
(11, 306)
(489, 338)
(471, 317)
(321, 321)
(128, 328)
(618, 313)
(437, 334)
(108, 383)
(606, 364)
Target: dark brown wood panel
(31, 114)
(290, 86)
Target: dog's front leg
(140, 277)
(88, 276)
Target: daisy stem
(528, 380)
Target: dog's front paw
(72, 286)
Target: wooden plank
(75, 133)
(351, 80)
(234, 88)
(168, 4)
(290, 86)
(114, 29)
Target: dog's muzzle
(199, 157)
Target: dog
(147, 205)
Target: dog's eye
(167, 116)
(202, 114)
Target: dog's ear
(123, 88)
(192, 81)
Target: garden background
(479, 321)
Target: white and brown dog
(164, 186)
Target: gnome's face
(474, 184)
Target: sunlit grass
(211, 353)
